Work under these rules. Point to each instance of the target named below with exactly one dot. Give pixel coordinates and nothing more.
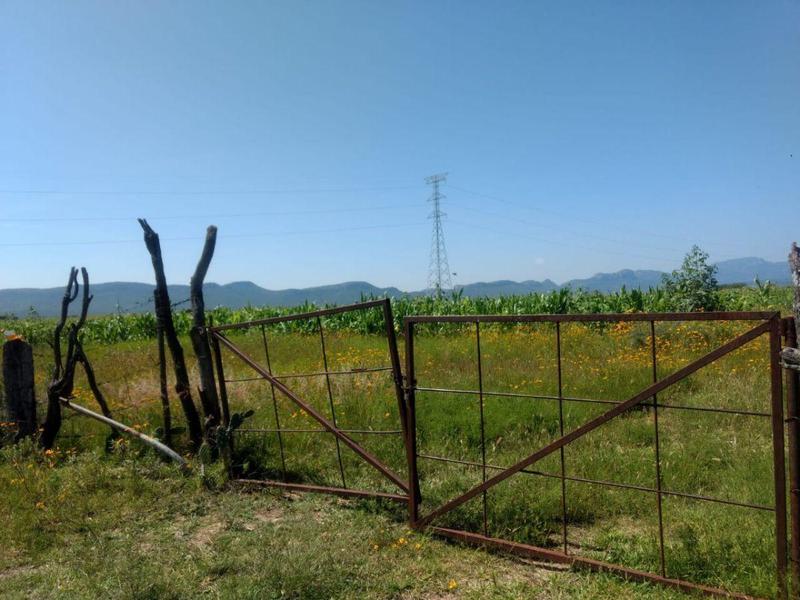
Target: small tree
(694, 286)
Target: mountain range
(137, 297)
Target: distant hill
(610, 282)
(745, 270)
(136, 297)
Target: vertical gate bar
(483, 424)
(330, 398)
(227, 453)
(778, 455)
(274, 402)
(223, 389)
(394, 357)
(561, 433)
(659, 499)
(414, 496)
(792, 381)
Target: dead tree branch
(63, 380)
(163, 389)
(70, 293)
(122, 428)
(165, 322)
(202, 350)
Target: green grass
(127, 526)
(125, 523)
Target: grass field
(126, 523)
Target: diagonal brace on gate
(316, 415)
(593, 424)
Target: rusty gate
(279, 387)
(766, 324)
(407, 390)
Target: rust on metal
(302, 487)
(601, 419)
(522, 395)
(600, 317)
(313, 413)
(653, 357)
(770, 323)
(351, 431)
(778, 454)
(301, 316)
(274, 403)
(580, 562)
(330, 426)
(315, 374)
(606, 483)
(561, 433)
(330, 399)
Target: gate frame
(218, 339)
(771, 324)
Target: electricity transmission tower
(438, 269)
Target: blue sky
(578, 137)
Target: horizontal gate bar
(599, 317)
(314, 374)
(603, 482)
(593, 424)
(351, 431)
(733, 411)
(302, 487)
(279, 385)
(584, 563)
(299, 316)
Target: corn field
(142, 326)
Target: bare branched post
(63, 379)
(162, 378)
(70, 293)
(202, 350)
(165, 322)
(61, 383)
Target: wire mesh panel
(328, 409)
(650, 445)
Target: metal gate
(281, 386)
(767, 323)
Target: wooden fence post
(20, 397)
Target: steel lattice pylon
(438, 268)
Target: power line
(580, 234)
(597, 249)
(438, 267)
(276, 213)
(221, 236)
(256, 192)
(604, 225)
